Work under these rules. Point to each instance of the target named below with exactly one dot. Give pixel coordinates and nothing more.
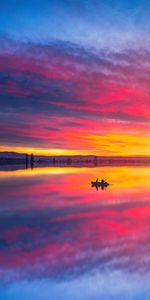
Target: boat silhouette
(102, 184)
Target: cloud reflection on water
(59, 236)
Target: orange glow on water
(120, 177)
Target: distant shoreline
(12, 159)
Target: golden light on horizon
(105, 145)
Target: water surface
(62, 239)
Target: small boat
(102, 184)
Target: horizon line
(73, 155)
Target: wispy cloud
(45, 84)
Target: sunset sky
(75, 76)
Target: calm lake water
(61, 239)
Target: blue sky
(93, 23)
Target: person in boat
(103, 181)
